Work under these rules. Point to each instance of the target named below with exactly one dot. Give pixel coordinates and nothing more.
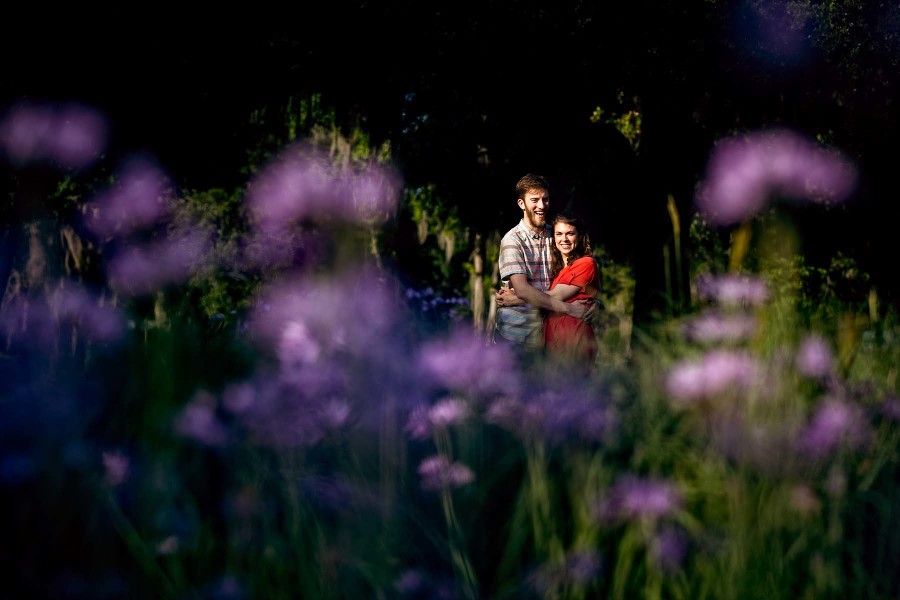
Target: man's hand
(593, 307)
(507, 297)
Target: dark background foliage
(472, 95)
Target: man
(525, 267)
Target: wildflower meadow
(213, 395)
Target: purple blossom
(306, 319)
(142, 269)
(116, 467)
(555, 417)
(72, 135)
(669, 549)
(804, 500)
(578, 568)
(715, 327)
(765, 447)
(448, 412)
(814, 357)
(46, 320)
(710, 375)
(633, 498)
(297, 345)
(302, 183)
(733, 289)
(437, 472)
(290, 410)
(198, 421)
(140, 197)
(835, 424)
(890, 408)
(418, 425)
(745, 171)
(464, 363)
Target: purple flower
(669, 549)
(302, 183)
(142, 269)
(140, 197)
(633, 498)
(291, 410)
(437, 472)
(733, 289)
(448, 412)
(745, 171)
(814, 358)
(578, 568)
(464, 363)
(835, 424)
(418, 425)
(712, 374)
(311, 318)
(714, 327)
(198, 421)
(116, 467)
(297, 345)
(555, 417)
(54, 318)
(804, 500)
(73, 136)
(890, 408)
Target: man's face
(535, 205)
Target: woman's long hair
(582, 248)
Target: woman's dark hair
(582, 248)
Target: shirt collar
(530, 232)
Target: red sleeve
(582, 272)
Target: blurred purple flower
(140, 197)
(438, 473)
(733, 289)
(804, 501)
(448, 412)
(72, 135)
(323, 316)
(745, 171)
(632, 498)
(418, 425)
(814, 357)
(48, 320)
(198, 421)
(715, 327)
(297, 345)
(578, 568)
(555, 417)
(766, 447)
(835, 424)
(142, 269)
(302, 183)
(374, 192)
(227, 587)
(290, 411)
(464, 363)
(116, 467)
(712, 374)
(890, 408)
(669, 549)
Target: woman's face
(565, 237)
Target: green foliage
(626, 120)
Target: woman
(575, 277)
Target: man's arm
(536, 297)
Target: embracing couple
(550, 279)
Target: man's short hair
(531, 182)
